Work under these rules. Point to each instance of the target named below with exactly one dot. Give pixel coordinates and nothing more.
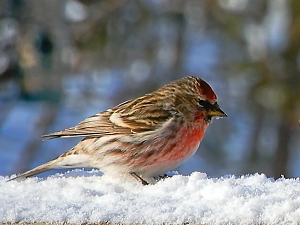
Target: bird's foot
(162, 177)
(166, 175)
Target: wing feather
(134, 116)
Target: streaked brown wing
(130, 117)
(94, 126)
(142, 114)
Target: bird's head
(195, 99)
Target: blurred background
(64, 60)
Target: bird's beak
(215, 111)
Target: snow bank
(81, 197)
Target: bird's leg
(138, 178)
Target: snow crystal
(87, 197)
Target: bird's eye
(201, 102)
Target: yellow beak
(215, 111)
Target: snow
(88, 197)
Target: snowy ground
(79, 197)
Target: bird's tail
(61, 162)
(39, 169)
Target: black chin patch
(208, 119)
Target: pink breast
(175, 152)
(188, 143)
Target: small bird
(144, 137)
